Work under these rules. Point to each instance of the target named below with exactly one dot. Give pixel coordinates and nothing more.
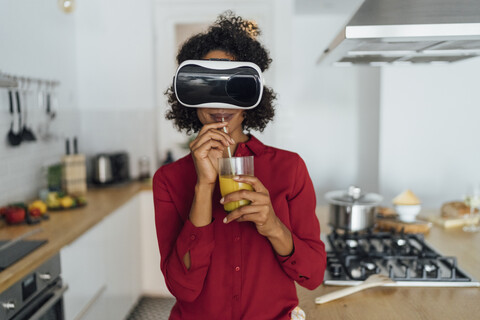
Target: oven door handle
(57, 295)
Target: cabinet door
(83, 270)
(153, 282)
(102, 267)
(122, 259)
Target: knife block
(74, 174)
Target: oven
(38, 296)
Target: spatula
(374, 280)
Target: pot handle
(354, 192)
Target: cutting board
(417, 226)
(452, 222)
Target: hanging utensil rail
(12, 81)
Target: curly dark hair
(237, 37)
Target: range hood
(390, 32)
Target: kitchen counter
(407, 302)
(376, 303)
(64, 227)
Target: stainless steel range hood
(408, 32)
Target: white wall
(430, 118)
(116, 86)
(331, 118)
(168, 14)
(319, 109)
(37, 40)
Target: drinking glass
(472, 199)
(229, 168)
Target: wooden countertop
(377, 303)
(64, 227)
(407, 302)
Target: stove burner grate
(402, 257)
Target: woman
(242, 265)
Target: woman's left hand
(259, 211)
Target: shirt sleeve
(175, 238)
(306, 265)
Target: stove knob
(336, 269)
(8, 305)
(45, 276)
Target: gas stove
(405, 258)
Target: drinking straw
(229, 151)
(225, 130)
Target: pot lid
(353, 196)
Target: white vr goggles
(218, 84)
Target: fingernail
(232, 141)
(225, 220)
(221, 200)
(236, 178)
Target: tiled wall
(110, 130)
(21, 166)
(37, 41)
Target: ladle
(14, 139)
(27, 134)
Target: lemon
(66, 202)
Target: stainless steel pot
(350, 210)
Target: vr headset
(218, 84)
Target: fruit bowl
(57, 201)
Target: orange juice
(227, 186)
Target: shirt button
(192, 237)
(237, 269)
(243, 145)
(237, 238)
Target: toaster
(110, 168)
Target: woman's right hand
(207, 147)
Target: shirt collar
(255, 145)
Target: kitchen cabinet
(153, 282)
(102, 267)
(122, 259)
(109, 252)
(83, 270)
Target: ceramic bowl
(407, 213)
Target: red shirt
(234, 271)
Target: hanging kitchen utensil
(54, 96)
(51, 101)
(14, 139)
(40, 96)
(50, 113)
(27, 134)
